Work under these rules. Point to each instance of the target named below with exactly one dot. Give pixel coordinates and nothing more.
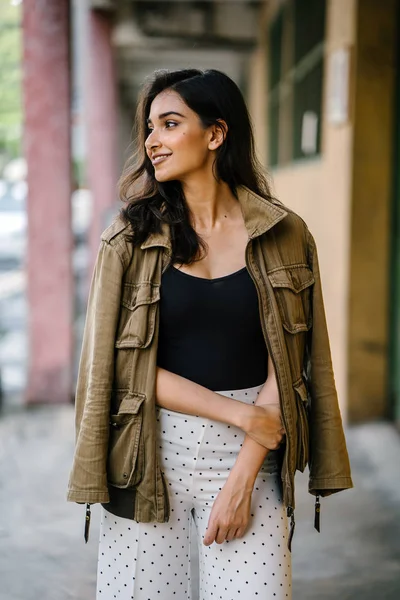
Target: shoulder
(117, 236)
(117, 229)
(292, 237)
(293, 223)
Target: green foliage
(10, 80)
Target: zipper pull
(317, 516)
(290, 513)
(87, 523)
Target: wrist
(242, 479)
(241, 417)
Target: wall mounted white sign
(309, 132)
(338, 86)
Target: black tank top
(210, 330)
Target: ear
(218, 134)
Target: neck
(209, 202)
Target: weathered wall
(46, 91)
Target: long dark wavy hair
(214, 97)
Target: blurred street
(43, 554)
(313, 73)
(13, 336)
(13, 325)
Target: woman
(205, 378)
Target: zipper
(290, 510)
(87, 523)
(290, 513)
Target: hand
(264, 425)
(230, 513)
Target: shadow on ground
(43, 555)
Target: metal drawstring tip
(317, 516)
(87, 523)
(290, 513)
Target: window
(296, 40)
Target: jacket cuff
(326, 487)
(87, 496)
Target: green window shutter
(302, 79)
(307, 99)
(275, 50)
(309, 26)
(273, 132)
(309, 34)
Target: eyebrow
(167, 114)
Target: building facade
(321, 79)
(324, 99)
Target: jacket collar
(259, 216)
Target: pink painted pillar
(102, 123)
(46, 88)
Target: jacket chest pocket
(292, 289)
(125, 446)
(137, 315)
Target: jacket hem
(145, 510)
(90, 497)
(325, 487)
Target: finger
(238, 532)
(231, 534)
(210, 534)
(221, 536)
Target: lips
(159, 158)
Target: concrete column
(102, 124)
(46, 90)
(374, 123)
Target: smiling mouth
(158, 159)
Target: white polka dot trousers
(147, 561)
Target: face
(178, 145)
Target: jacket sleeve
(329, 461)
(88, 478)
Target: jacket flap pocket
(131, 403)
(301, 389)
(296, 278)
(135, 295)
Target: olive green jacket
(115, 396)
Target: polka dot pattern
(145, 561)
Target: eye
(169, 124)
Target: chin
(161, 177)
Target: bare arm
(182, 395)
(230, 514)
(252, 454)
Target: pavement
(43, 554)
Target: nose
(151, 141)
